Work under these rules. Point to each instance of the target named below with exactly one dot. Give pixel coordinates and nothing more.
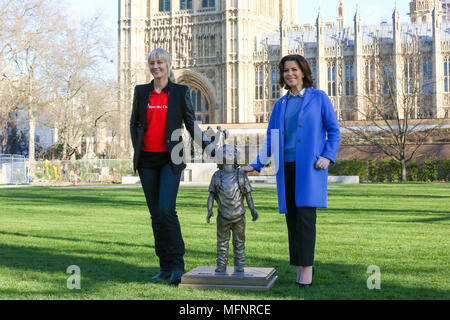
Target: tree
(397, 107)
(82, 96)
(51, 69)
(30, 30)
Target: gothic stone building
(228, 51)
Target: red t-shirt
(155, 136)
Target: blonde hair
(166, 57)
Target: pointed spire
(357, 18)
(319, 16)
(396, 17)
(436, 16)
(341, 14)
(436, 7)
(396, 30)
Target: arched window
(332, 79)
(164, 5)
(349, 79)
(409, 74)
(275, 87)
(201, 105)
(199, 102)
(427, 75)
(447, 74)
(208, 3)
(185, 4)
(370, 77)
(259, 76)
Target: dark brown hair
(308, 80)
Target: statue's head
(227, 155)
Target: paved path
(121, 186)
(182, 185)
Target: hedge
(370, 170)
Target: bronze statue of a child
(228, 187)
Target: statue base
(258, 279)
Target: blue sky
(372, 12)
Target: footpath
(121, 186)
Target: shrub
(412, 171)
(444, 170)
(382, 170)
(395, 171)
(390, 170)
(372, 171)
(429, 170)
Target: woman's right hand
(247, 169)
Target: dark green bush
(395, 173)
(429, 171)
(412, 171)
(370, 170)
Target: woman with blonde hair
(159, 109)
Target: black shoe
(175, 277)
(162, 275)
(302, 285)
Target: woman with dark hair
(303, 135)
(159, 110)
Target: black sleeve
(134, 120)
(189, 121)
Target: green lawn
(401, 228)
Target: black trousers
(301, 224)
(160, 189)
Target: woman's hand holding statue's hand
(247, 169)
(322, 163)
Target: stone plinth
(259, 279)
(343, 179)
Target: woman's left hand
(322, 163)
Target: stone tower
(421, 11)
(212, 43)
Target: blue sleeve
(332, 127)
(266, 150)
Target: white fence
(13, 169)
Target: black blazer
(179, 110)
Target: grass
(401, 228)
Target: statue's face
(229, 155)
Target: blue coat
(318, 134)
